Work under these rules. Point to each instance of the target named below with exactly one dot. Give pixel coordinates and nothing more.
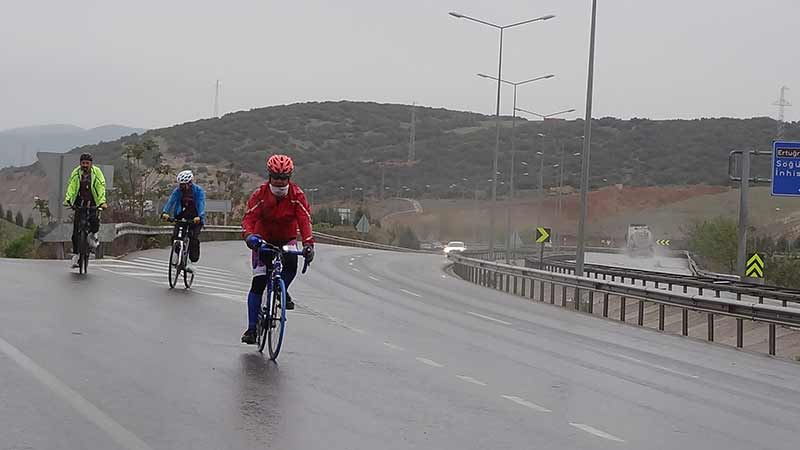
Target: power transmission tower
(412, 140)
(216, 100)
(781, 103)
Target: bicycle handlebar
(278, 249)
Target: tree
(715, 240)
(29, 223)
(9, 216)
(19, 220)
(145, 175)
(41, 205)
(2, 212)
(404, 236)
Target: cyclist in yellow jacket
(86, 189)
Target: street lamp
(587, 143)
(514, 117)
(502, 28)
(312, 190)
(545, 116)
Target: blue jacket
(174, 204)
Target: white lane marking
(411, 293)
(523, 402)
(209, 268)
(352, 259)
(208, 286)
(349, 264)
(393, 347)
(373, 278)
(204, 283)
(656, 366)
(357, 330)
(429, 362)
(488, 318)
(225, 296)
(228, 284)
(369, 254)
(163, 269)
(132, 274)
(444, 276)
(118, 433)
(162, 265)
(471, 380)
(356, 270)
(596, 432)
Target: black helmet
(86, 157)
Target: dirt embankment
(610, 209)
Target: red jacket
(278, 220)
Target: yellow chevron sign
(663, 242)
(755, 266)
(542, 235)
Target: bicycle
(179, 253)
(83, 236)
(271, 324)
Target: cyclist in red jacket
(275, 212)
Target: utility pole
(741, 250)
(383, 179)
(216, 100)
(781, 103)
(412, 140)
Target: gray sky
(153, 63)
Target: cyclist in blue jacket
(188, 201)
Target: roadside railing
(593, 295)
(730, 287)
(123, 229)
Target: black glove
(308, 253)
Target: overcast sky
(150, 63)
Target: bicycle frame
(267, 313)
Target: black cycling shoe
(289, 302)
(249, 337)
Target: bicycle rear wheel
(175, 256)
(188, 279)
(261, 329)
(276, 319)
(83, 258)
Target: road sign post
(786, 169)
(744, 180)
(542, 237)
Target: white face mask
(279, 191)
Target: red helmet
(280, 165)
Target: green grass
(9, 232)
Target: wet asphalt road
(385, 350)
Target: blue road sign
(786, 168)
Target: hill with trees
(338, 147)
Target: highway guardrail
(542, 285)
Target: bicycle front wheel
(276, 319)
(175, 254)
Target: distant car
(454, 246)
(426, 246)
(437, 245)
